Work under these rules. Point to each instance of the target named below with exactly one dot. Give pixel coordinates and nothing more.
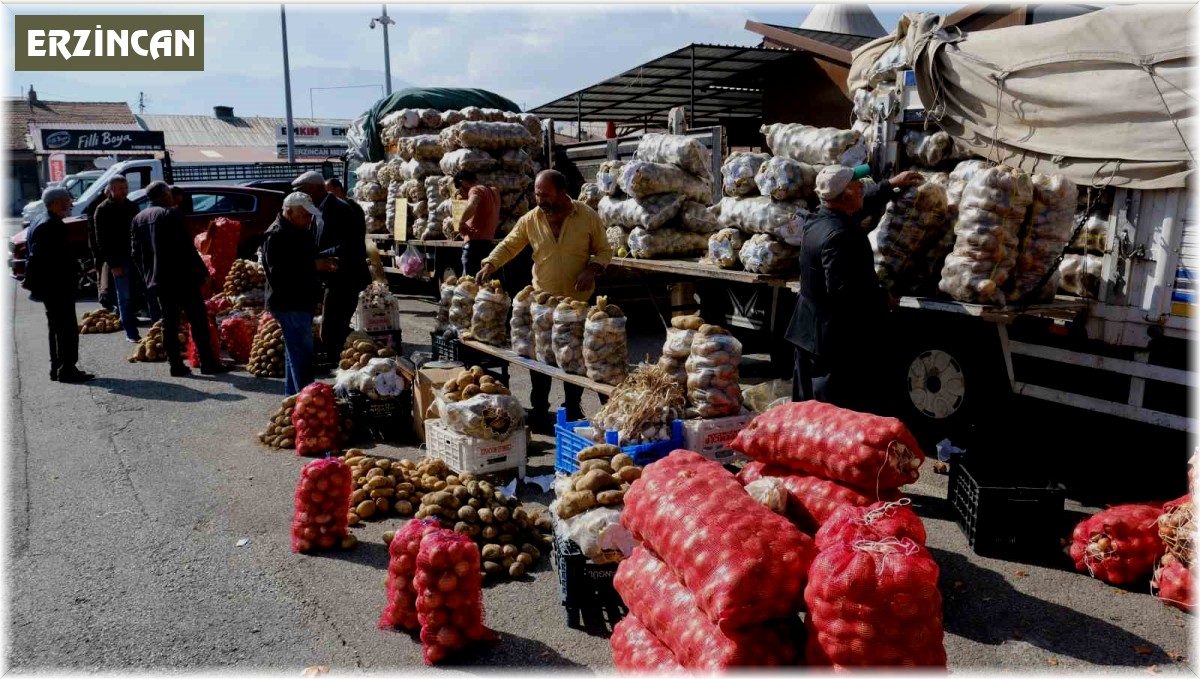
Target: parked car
(77, 184)
(281, 185)
(254, 208)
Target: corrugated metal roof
(210, 131)
(20, 114)
(725, 87)
(839, 40)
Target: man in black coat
(838, 325)
(174, 273)
(341, 233)
(334, 185)
(50, 277)
(113, 219)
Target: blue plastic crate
(568, 444)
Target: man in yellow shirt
(569, 251)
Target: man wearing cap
(293, 285)
(838, 324)
(340, 233)
(173, 270)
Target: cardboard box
(429, 377)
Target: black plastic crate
(1005, 508)
(385, 419)
(444, 348)
(450, 349)
(586, 588)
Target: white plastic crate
(711, 438)
(376, 319)
(479, 456)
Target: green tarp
(440, 98)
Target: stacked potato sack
(933, 148)
(319, 521)
(677, 348)
(316, 421)
(449, 591)
(1172, 581)
(570, 317)
(502, 150)
(659, 200)
(828, 457)
(912, 226)
(372, 195)
(717, 578)
(712, 373)
(1044, 237)
(1082, 266)
(764, 208)
(218, 248)
(401, 608)
(987, 235)
(267, 353)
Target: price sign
(457, 208)
(400, 228)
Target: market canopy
(715, 82)
(1103, 98)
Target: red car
(255, 208)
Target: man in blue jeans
(113, 218)
(293, 286)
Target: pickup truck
(77, 184)
(254, 208)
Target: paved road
(128, 495)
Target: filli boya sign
(102, 140)
(59, 42)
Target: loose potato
(492, 568)
(459, 492)
(516, 570)
(491, 552)
(620, 461)
(531, 551)
(404, 508)
(629, 474)
(596, 480)
(575, 502)
(692, 322)
(490, 532)
(596, 463)
(349, 542)
(525, 559)
(504, 538)
(603, 450)
(468, 513)
(365, 509)
(610, 497)
(353, 519)
(382, 492)
(470, 390)
(507, 562)
(382, 504)
(485, 515)
(387, 536)
(358, 496)
(501, 514)
(510, 550)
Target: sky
(530, 54)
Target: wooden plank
(1154, 417)
(693, 268)
(380, 236)
(537, 366)
(437, 243)
(1139, 369)
(1066, 308)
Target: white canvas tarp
(1103, 98)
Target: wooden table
(537, 366)
(693, 268)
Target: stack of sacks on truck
(426, 148)
(371, 193)
(871, 594)
(657, 205)
(1084, 258)
(717, 579)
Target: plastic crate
(586, 588)
(711, 438)
(567, 444)
(386, 419)
(1006, 509)
(479, 456)
(444, 349)
(376, 319)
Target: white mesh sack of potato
(516, 160)
(567, 335)
(542, 311)
(605, 351)
(698, 218)
(591, 194)
(409, 118)
(505, 182)
(960, 176)
(666, 243)
(930, 149)
(761, 214)
(462, 304)
(986, 236)
(472, 113)
(712, 373)
(490, 317)
(452, 117)
(678, 346)
(1094, 235)
(763, 254)
(1045, 236)
(376, 209)
(369, 191)
(651, 212)
(911, 226)
(430, 117)
(618, 240)
(388, 173)
(640, 179)
(367, 172)
(521, 324)
(428, 229)
(445, 298)
(425, 147)
(685, 153)
(431, 193)
(489, 136)
(393, 192)
(608, 177)
(411, 190)
(723, 248)
(1081, 275)
(815, 145)
(485, 416)
(738, 171)
(786, 179)
(473, 160)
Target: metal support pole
(387, 55)
(579, 117)
(287, 89)
(691, 122)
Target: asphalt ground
(128, 496)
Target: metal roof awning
(714, 82)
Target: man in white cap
(294, 286)
(838, 324)
(340, 233)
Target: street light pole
(387, 54)
(287, 89)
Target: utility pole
(141, 103)
(287, 89)
(387, 54)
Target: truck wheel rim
(936, 384)
(87, 273)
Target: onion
(449, 637)
(326, 541)
(447, 582)
(323, 485)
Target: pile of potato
(604, 474)
(281, 434)
(360, 349)
(243, 277)
(471, 382)
(151, 350)
(266, 355)
(99, 321)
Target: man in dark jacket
(334, 185)
(50, 278)
(838, 324)
(293, 286)
(174, 273)
(341, 233)
(113, 218)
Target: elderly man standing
(50, 278)
(341, 233)
(569, 251)
(113, 219)
(174, 272)
(838, 323)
